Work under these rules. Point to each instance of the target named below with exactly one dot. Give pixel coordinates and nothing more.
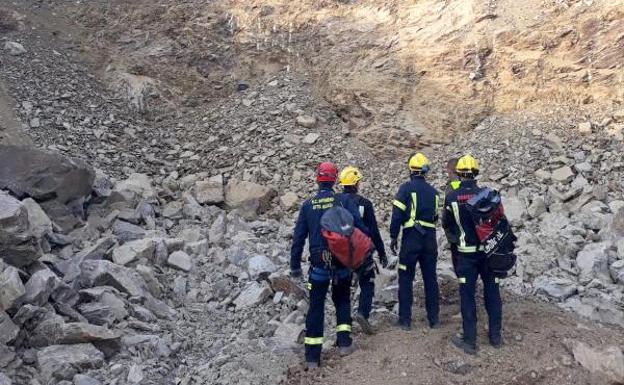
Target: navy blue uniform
(471, 263)
(415, 208)
(366, 275)
(325, 270)
(451, 186)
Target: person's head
(350, 178)
(418, 164)
(451, 165)
(326, 174)
(467, 167)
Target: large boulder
(249, 195)
(593, 261)
(558, 288)
(260, 264)
(40, 223)
(106, 273)
(607, 362)
(62, 362)
(18, 244)
(42, 175)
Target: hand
(383, 259)
(296, 273)
(394, 243)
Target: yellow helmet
(467, 164)
(418, 162)
(349, 176)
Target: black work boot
(367, 328)
(463, 345)
(496, 342)
(405, 325)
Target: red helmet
(326, 172)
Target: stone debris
(607, 361)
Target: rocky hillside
(144, 227)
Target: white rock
(11, 287)
(311, 138)
(137, 185)
(259, 264)
(593, 261)
(608, 361)
(133, 251)
(617, 271)
(514, 210)
(135, 374)
(210, 191)
(557, 288)
(180, 260)
(14, 48)
(242, 194)
(585, 128)
(537, 207)
(306, 121)
(40, 223)
(289, 200)
(563, 174)
(253, 294)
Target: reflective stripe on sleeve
(313, 341)
(343, 328)
(402, 266)
(361, 211)
(399, 204)
(497, 280)
(462, 279)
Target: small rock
(81, 379)
(180, 260)
(563, 174)
(135, 374)
(253, 294)
(585, 128)
(311, 138)
(8, 330)
(248, 194)
(11, 287)
(14, 48)
(557, 288)
(306, 121)
(4, 380)
(260, 264)
(133, 251)
(210, 191)
(39, 287)
(289, 200)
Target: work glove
(296, 273)
(394, 244)
(383, 259)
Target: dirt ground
(538, 350)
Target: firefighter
(471, 262)
(415, 208)
(325, 269)
(349, 179)
(452, 184)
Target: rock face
(608, 362)
(62, 362)
(248, 194)
(43, 175)
(18, 244)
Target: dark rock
(62, 362)
(8, 329)
(126, 231)
(42, 175)
(18, 244)
(106, 273)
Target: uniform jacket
(457, 220)
(416, 201)
(309, 226)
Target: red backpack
(346, 242)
